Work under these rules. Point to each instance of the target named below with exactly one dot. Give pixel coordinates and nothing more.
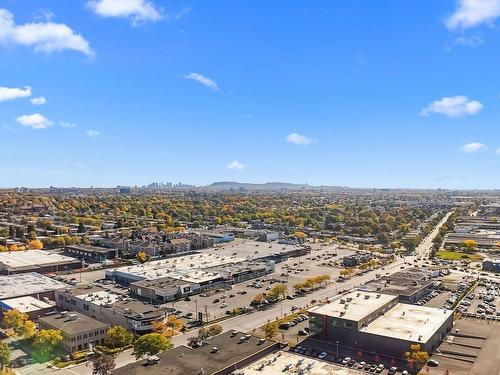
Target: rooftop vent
(261, 341)
(73, 317)
(215, 349)
(152, 360)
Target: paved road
(246, 323)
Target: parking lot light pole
(337, 342)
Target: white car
(322, 355)
(346, 360)
(361, 364)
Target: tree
(47, 341)
(258, 299)
(151, 344)
(35, 245)
(118, 337)
(214, 330)
(142, 256)
(270, 330)
(470, 245)
(19, 322)
(299, 234)
(277, 291)
(415, 357)
(173, 323)
(4, 354)
(81, 227)
(103, 364)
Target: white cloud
(34, 121)
(470, 13)
(139, 11)
(453, 106)
(11, 93)
(67, 125)
(38, 101)
(299, 139)
(469, 148)
(93, 133)
(236, 165)
(44, 37)
(203, 80)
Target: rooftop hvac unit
(215, 349)
(378, 295)
(73, 317)
(153, 360)
(349, 299)
(367, 296)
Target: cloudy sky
(382, 93)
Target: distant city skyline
(377, 94)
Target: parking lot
(216, 304)
(483, 302)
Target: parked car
(322, 355)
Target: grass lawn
(456, 255)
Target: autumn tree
(151, 344)
(470, 245)
(214, 330)
(173, 323)
(19, 323)
(118, 337)
(270, 330)
(35, 245)
(277, 291)
(142, 257)
(416, 357)
(103, 364)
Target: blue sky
(354, 93)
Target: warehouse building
(378, 323)
(40, 261)
(29, 284)
(91, 253)
(28, 305)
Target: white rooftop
(25, 284)
(409, 322)
(287, 363)
(99, 298)
(25, 304)
(27, 258)
(189, 268)
(355, 305)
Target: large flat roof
(192, 268)
(26, 284)
(359, 305)
(183, 360)
(70, 326)
(409, 322)
(275, 364)
(32, 258)
(25, 304)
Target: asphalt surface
(247, 323)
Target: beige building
(80, 332)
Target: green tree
(4, 354)
(81, 227)
(46, 342)
(118, 337)
(103, 364)
(277, 291)
(151, 344)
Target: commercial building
(491, 265)
(91, 253)
(29, 284)
(289, 363)
(220, 355)
(79, 331)
(28, 305)
(410, 285)
(40, 261)
(206, 270)
(163, 290)
(378, 323)
(484, 239)
(110, 307)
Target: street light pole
(337, 342)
